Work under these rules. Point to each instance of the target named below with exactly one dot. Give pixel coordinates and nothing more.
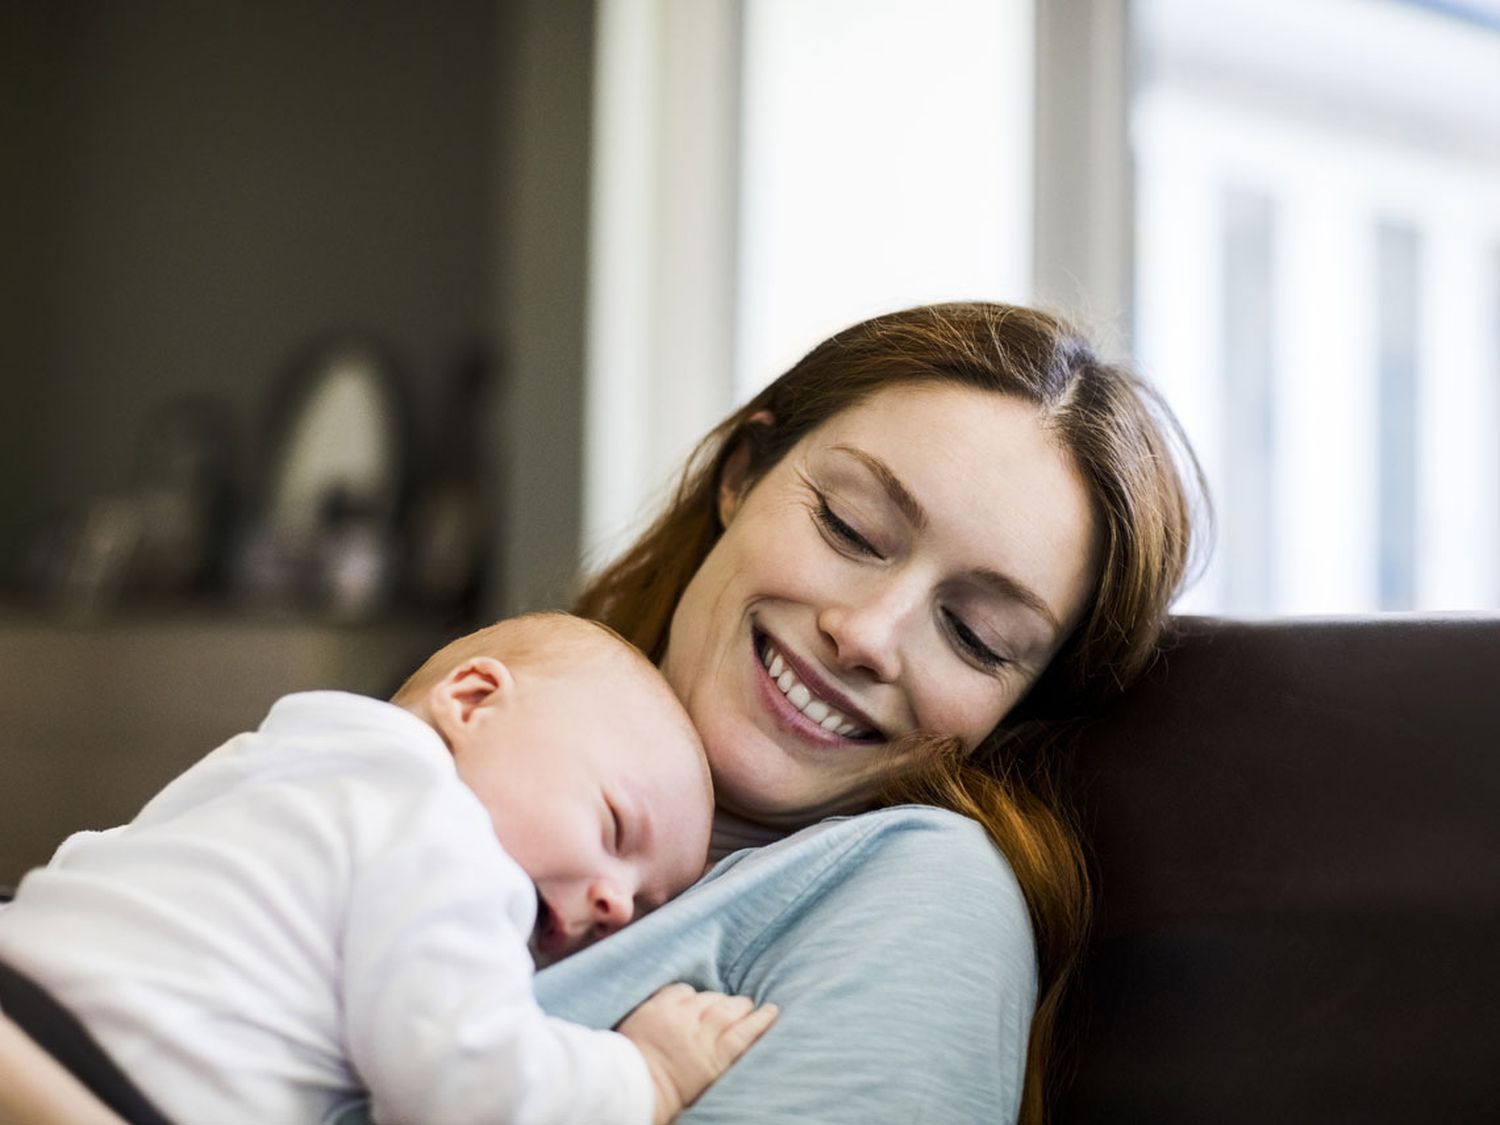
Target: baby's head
(592, 773)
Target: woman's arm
(35, 1089)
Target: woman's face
(912, 564)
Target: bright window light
(1318, 293)
(885, 163)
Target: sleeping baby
(354, 897)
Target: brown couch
(1296, 829)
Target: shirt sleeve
(442, 1023)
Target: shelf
(94, 718)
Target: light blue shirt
(897, 945)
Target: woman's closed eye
(970, 642)
(841, 531)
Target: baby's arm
(689, 1038)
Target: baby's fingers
(720, 1010)
(737, 1037)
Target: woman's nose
(867, 627)
(610, 906)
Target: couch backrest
(1296, 827)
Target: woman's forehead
(934, 403)
(947, 437)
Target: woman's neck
(732, 832)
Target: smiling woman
(883, 580)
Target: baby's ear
(467, 693)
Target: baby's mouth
(546, 935)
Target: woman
(885, 580)
(953, 521)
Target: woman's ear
(468, 694)
(734, 479)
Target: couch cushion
(1296, 831)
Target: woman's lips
(792, 718)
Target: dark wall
(194, 190)
(543, 288)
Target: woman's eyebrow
(1002, 584)
(889, 481)
(1008, 587)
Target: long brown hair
(1145, 487)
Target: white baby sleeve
(443, 1026)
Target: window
(885, 162)
(1317, 232)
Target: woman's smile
(804, 702)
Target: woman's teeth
(803, 700)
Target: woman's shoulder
(924, 829)
(897, 871)
(918, 846)
(903, 961)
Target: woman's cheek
(969, 711)
(795, 556)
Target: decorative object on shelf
(181, 486)
(162, 535)
(323, 537)
(453, 512)
(97, 551)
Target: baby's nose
(612, 908)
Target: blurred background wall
(200, 189)
(563, 237)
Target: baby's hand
(689, 1038)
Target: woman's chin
(746, 788)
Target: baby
(345, 898)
